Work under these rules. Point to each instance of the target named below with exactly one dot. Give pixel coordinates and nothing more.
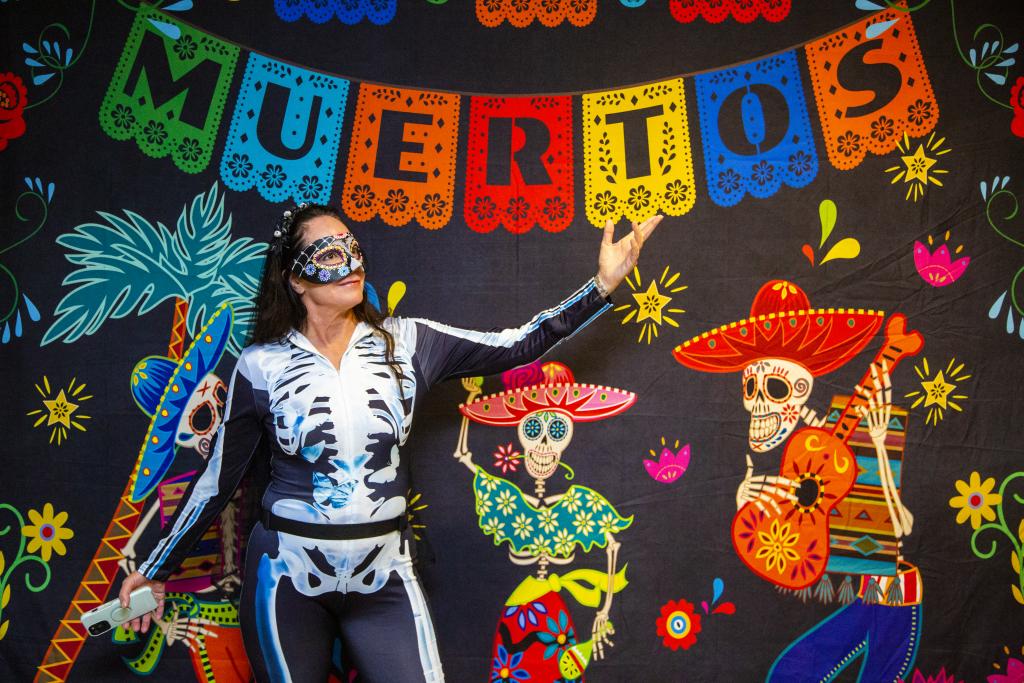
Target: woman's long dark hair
(279, 308)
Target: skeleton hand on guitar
(764, 489)
(877, 414)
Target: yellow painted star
(60, 410)
(937, 390)
(918, 166)
(937, 393)
(651, 303)
(57, 411)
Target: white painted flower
(547, 520)
(494, 527)
(584, 523)
(564, 542)
(522, 526)
(506, 502)
(483, 504)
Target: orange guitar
(790, 548)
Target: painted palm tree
(129, 265)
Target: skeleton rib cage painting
(834, 512)
(330, 408)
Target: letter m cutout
(169, 94)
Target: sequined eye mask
(329, 259)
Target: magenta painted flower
(936, 269)
(506, 459)
(941, 677)
(1013, 672)
(669, 466)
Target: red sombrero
(582, 402)
(782, 324)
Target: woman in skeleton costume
(326, 392)
(779, 350)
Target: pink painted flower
(506, 458)
(936, 269)
(941, 677)
(670, 466)
(1014, 672)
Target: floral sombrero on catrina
(783, 325)
(556, 391)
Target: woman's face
(338, 296)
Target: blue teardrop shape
(30, 308)
(993, 312)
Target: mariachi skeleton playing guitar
(782, 528)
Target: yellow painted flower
(778, 546)
(784, 289)
(47, 532)
(975, 500)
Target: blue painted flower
(503, 668)
(729, 181)
(527, 613)
(240, 165)
(763, 172)
(799, 163)
(558, 637)
(310, 187)
(273, 176)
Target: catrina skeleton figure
(536, 637)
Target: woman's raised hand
(618, 258)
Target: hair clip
(284, 225)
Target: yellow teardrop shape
(395, 293)
(845, 248)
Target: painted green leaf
(827, 213)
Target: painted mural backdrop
(790, 451)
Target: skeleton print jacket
(334, 434)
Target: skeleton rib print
(334, 434)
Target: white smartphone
(110, 614)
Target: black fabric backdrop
(679, 541)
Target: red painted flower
(13, 97)
(678, 624)
(1017, 102)
(936, 269)
(505, 458)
